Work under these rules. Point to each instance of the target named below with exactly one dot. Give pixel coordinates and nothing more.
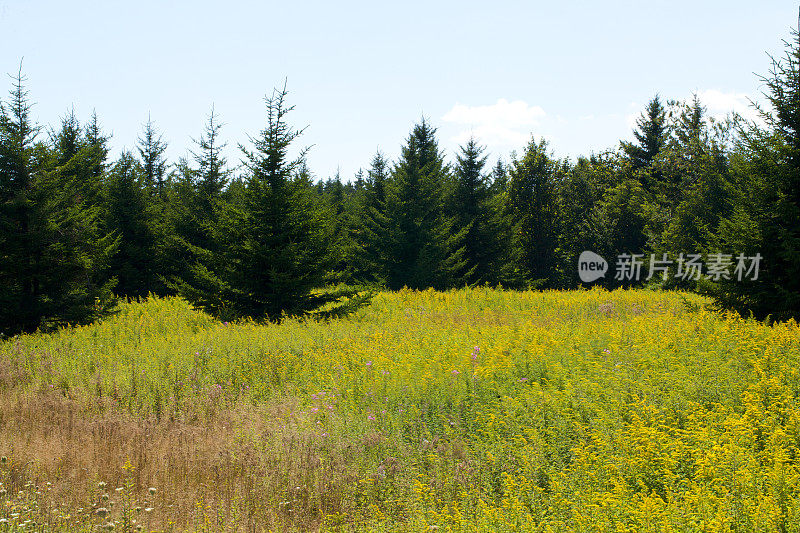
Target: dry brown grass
(248, 468)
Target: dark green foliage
(372, 229)
(272, 242)
(505, 265)
(337, 198)
(621, 219)
(151, 149)
(422, 249)
(193, 203)
(51, 247)
(580, 226)
(212, 174)
(470, 207)
(533, 187)
(129, 215)
(274, 248)
(650, 135)
(695, 192)
(766, 216)
(98, 144)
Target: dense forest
(261, 238)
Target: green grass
(583, 411)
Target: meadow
(466, 410)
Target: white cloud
(502, 124)
(633, 114)
(720, 104)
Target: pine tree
(129, 214)
(51, 245)
(533, 199)
(765, 168)
(651, 136)
(421, 248)
(274, 249)
(471, 210)
(151, 147)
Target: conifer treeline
(78, 230)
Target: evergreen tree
(372, 230)
(651, 135)
(421, 251)
(274, 250)
(50, 245)
(68, 141)
(505, 267)
(499, 177)
(81, 159)
(695, 193)
(151, 147)
(98, 143)
(765, 167)
(337, 198)
(129, 215)
(621, 220)
(195, 201)
(533, 183)
(212, 172)
(578, 226)
(471, 211)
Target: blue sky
(361, 73)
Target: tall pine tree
(51, 248)
(533, 189)
(130, 214)
(766, 219)
(471, 210)
(273, 254)
(422, 248)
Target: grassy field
(470, 410)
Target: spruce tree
(533, 183)
(471, 210)
(621, 221)
(695, 193)
(578, 196)
(151, 147)
(765, 168)
(422, 250)
(505, 267)
(372, 230)
(212, 173)
(194, 204)
(98, 143)
(129, 214)
(51, 249)
(651, 136)
(273, 257)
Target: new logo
(591, 267)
